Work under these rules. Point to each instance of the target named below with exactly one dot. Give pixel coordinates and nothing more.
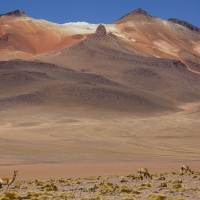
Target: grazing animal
(8, 181)
(143, 172)
(185, 168)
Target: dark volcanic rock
(185, 24)
(130, 15)
(139, 11)
(16, 13)
(101, 31)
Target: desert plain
(85, 144)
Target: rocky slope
(130, 65)
(158, 80)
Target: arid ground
(85, 144)
(161, 186)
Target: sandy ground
(66, 144)
(81, 170)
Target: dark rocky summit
(137, 12)
(185, 24)
(16, 13)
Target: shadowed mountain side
(26, 83)
(104, 55)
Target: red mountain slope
(24, 37)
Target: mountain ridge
(16, 13)
(144, 33)
(185, 24)
(135, 13)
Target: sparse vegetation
(173, 186)
(157, 196)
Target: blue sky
(103, 11)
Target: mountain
(81, 93)
(133, 65)
(16, 13)
(160, 38)
(184, 23)
(132, 16)
(156, 79)
(21, 36)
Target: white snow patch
(85, 28)
(80, 27)
(71, 27)
(125, 37)
(111, 28)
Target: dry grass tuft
(157, 196)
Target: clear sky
(103, 11)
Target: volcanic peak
(16, 13)
(137, 12)
(185, 24)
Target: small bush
(163, 185)
(11, 195)
(146, 185)
(177, 186)
(125, 189)
(135, 192)
(157, 196)
(124, 181)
